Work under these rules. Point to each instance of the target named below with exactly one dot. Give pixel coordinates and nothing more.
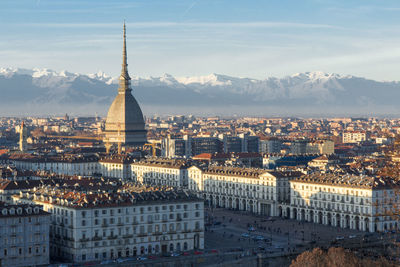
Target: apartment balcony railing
(112, 237)
(84, 240)
(127, 236)
(97, 238)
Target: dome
(126, 112)
(125, 124)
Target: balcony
(178, 219)
(112, 237)
(186, 231)
(135, 223)
(127, 236)
(142, 235)
(198, 230)
(104, 225)
(84, 240)
(96, 238)
(171, 232)
(157, 233)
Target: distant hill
(42, 91)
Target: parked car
(107, 262)
(339, 237)
(198, 252)
(258, 238)
(141, 258)
(246, 235)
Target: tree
(335, 257)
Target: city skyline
(254, 39)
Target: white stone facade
(162, 172)
(103, 232)
(24, 234)
(253, 190)
(363, 207)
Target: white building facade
(254, 190)
(161, 172)
(24, 231)
(355, 202)
(110, 226)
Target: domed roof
(125, 123)
(126, 112)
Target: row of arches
(231, 203)
(348, 221)
(142, 250)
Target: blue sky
(184, 38)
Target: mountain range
(47, 92)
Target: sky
(255, 39)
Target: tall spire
(124, 79)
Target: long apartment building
(248, 189)
(356, 202)
(24, 231)
(129, 222)
(161, 172)
(62, 165)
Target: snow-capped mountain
(43, 91)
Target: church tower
(22, 138)
(125, 124)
